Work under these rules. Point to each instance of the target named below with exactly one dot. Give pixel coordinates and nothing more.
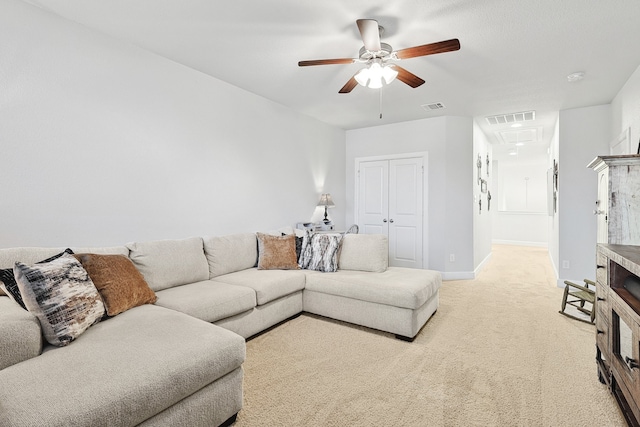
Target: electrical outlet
(452, 258)
(565, 264)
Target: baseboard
(520, 243)
(481, 265)
(458, 275)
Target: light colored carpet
(496, 353)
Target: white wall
(482, 220)
(625, 111)
(105, 143)
(449, 193)
(583, 135)
(521, 217)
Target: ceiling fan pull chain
(380, 103)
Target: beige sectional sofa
(179, 362)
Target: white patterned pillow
(62, 296)
(320, 252)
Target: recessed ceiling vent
(521, 136)
(434, 106)
(505, 119)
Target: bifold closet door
(390, 202)
(405, 212)
(373, 195)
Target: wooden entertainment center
(618, 280)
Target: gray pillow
(320, 252)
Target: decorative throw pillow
(61, 295)
(118, 281)
(277, 252)
(8, 279)
(299, 240)
(320, 252)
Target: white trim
(520, 243)
(425, 190)
(458, 275)
(482, 264)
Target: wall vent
(504, 119)
(434, 106)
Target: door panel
(373, 197)
(405, 212)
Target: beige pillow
(119, 282)
(277, 252)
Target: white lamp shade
(362, 77)
(389, 74)
(325, 200)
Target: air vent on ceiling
(520, 136)
(434, 106)
(503, 119)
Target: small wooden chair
(582, 295)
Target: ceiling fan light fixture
(372, 75)
(362, 76)
(375, 82)
(389, 74)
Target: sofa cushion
(226, 254)
(147, 359)
(269, 285)
(62, 296)
(397, 286)
(364, 252)
(168, 263)
(208, 300)
(119, 282)
(20, 334)
(277, 252)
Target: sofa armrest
(20, 334)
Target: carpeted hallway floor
(496, 353)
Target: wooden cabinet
(618, 204)
(618, 325)
(618, 279)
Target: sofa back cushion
(9, 256)
(364, 252)
(228, 254)
(168, 263)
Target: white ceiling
(515, 55)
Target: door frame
(424, 155)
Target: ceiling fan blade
(408, 77)
(325, 62)
(370, 34)
(429, 49)
(352, 83)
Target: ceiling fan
(377, 57)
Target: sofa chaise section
(128, 370)
(367, 292)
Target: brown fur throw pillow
(119, 282)
(277, 252)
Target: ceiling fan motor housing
(384, 52)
